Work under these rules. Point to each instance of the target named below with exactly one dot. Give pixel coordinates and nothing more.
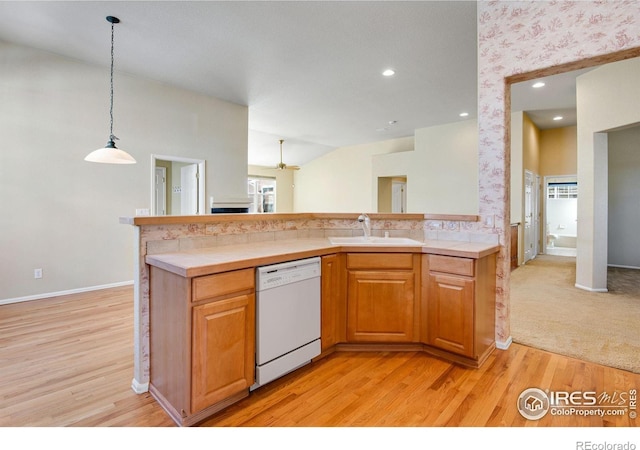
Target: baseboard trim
(585, 288)
(623, 267)
(504, 345)
(61, 293)
(139, 388)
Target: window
(562, 190)
(262, 191)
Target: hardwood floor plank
(68, 361)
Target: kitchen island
(436, 296)
(205, 261)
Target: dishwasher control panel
(276, 275)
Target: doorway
(392, 194)
(181, 181)
(561, 215)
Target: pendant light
(111, 154)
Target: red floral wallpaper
(522, 36)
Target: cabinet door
(380, 306)
(450, 313)
(223, 352)
(331, 319)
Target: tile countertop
(207, 261)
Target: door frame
(201, 179)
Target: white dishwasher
(287, 317)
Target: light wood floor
(68, 361)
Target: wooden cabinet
(383, 297)
(202, 341)
(514, 246)
(223, 350)
(460, 305)
(450, 313)
(333, 314)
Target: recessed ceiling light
(392, 122)
(539, 84)
(389, 72)
(464, 114)
(558, 118)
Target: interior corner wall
(607, 98)
(341, 181)
(285, 185)
(624, 192)
(61, 213)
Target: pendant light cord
(111, 136)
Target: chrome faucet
(366, 225)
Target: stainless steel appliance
(287, 317)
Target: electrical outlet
(142, 211)
(37, 273)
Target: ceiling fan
(283, 166)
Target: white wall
(607, 98)
(440, 163)
(341, 181)
(624, 198)
(561, 216)
(443, 176)
(60, 213)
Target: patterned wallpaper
(516, 37)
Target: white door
(398, 197)
(531, 220)
(160, 187)
(189, 194)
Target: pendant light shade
(111, 154)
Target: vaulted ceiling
(310, 72)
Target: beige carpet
(549, 313)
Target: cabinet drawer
(451, 264)
(380, 261)
(221, 284)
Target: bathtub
(565, 241)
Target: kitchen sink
(380, 241)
